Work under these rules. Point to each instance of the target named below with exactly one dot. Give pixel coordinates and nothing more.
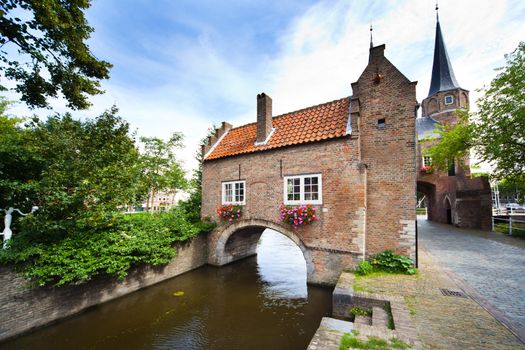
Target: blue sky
(184, 65)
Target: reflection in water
(282, 271)
(258, 303)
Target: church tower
(445, 95)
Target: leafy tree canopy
(497, 131)
(52, 56)
(161, 169)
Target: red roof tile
(317, 123)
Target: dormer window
(449, 99)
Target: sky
(183, 66)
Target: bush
(390, 262)
(126, 240)
(364, 268)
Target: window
(449, 99)
(427, 161)
(233, 192)
(303, 189)
(381, 123)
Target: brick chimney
(264, 117)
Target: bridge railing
(510, 225)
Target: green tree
(192, 206)
(51, 54)
(77, 172)
(500, 129)
(496, 132)
(161, 169)
(20, 165)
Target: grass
(410, 302)
(350, 341)
(359, 311)
(359, 279)
(518, 229)
(388, 310)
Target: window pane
(228, 193)
(293, 187)
(311, 188)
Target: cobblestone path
(490, 264)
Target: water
(261, 302)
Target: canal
(261, 302)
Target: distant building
(452, 197)
(162, 201)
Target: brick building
(453, 197)
(354, 159)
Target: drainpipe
(363, 166)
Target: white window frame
(451, 100)
(424, 161)
(301, 193)
(233, 183)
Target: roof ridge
(296, 111)
(310, 107)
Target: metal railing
(509, 225)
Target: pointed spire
(442, 73)
(371, 41)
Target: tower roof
(442, 73)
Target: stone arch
(239, 241)
(429, 190)
(447, 204)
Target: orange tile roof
(317, 123)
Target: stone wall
(23, 309)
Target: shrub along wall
(23, 309)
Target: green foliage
(44, 49)
(80, 173)
(160, 167)
(500, 127)
(513, 187)
(364, 268)
(192, 206)
(351, 341)
(454, 143)
(358, 311)
(126, 240)
(390, 262)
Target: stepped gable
(317, 123)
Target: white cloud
(175, 82)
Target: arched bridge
(239, 240)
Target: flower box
(230, 212)
(298, 216)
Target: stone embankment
(23, 309)
(382, 316)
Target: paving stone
(489, 265)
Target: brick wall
(388, 151)
(23, 309)
(386, 184)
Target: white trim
(445, 111)
(349, 122)
(423, 160)
(452, 102)
(233, 183)
(301, 191)
(215, 144)
(267, 139)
